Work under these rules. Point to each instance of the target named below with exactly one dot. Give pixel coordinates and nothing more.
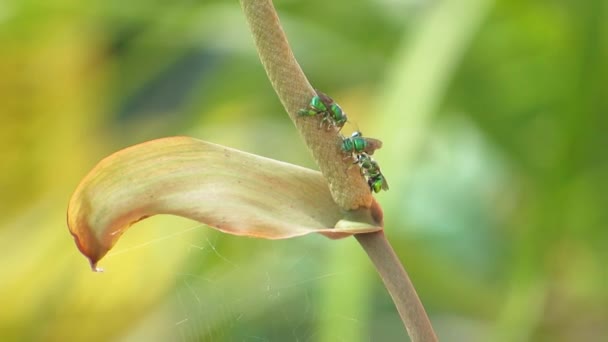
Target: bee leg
(308, 111)
(322, 122)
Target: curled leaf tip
(96, 269)
(229, 190)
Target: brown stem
(399, 286)
(348, 188)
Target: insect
(333, 115)
(371, 171)
(356, 144)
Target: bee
(332, 113)
(356, 144)
(371, 171)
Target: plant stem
(399, 286)
(348, 189)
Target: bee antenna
(353, 125)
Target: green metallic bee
(333, 115)
(371, 170)
(356, 144)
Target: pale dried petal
(229, 190)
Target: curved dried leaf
(232, 191)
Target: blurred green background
(494, 117)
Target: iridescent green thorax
(317, 104)
(359, 143)
(355, 143)
(337, 114)
(368, 164)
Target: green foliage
(494, 123)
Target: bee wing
(384, 183)
(372, 145)
(328, 101)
